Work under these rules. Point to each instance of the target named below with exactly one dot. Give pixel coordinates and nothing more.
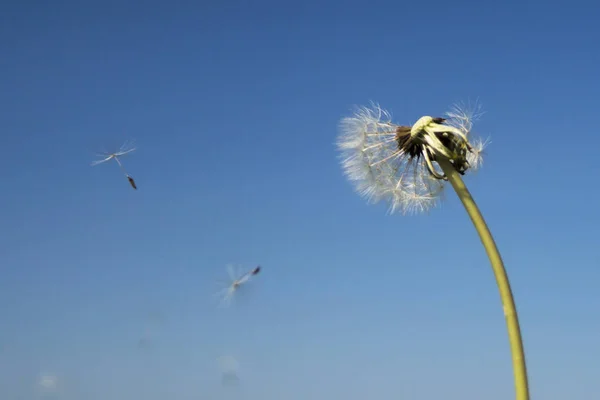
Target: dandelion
(236, 280)
(398, 163)
(126, 148)
(408, 167)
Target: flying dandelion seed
(47, 386)
(408, 166)
(47, 382)
(126, 148)
(397, 163)
(229, 367)
(236, 280)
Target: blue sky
(234, 107)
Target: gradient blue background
(234, 106)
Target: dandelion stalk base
(508, 303)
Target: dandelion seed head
(382, 163)
(396, 163)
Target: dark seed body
(132, 182)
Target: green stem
(508, 303)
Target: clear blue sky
(234, 107)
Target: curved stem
(508, 303)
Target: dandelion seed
(48, 382)
(236, 280)
(397, 163)
(229, 367)
(475, 156)
(126, 148)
